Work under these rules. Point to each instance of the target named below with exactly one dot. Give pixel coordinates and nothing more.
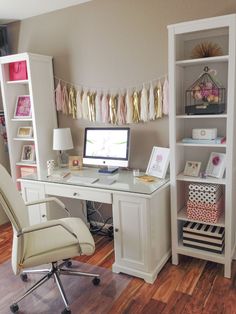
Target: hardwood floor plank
(123, 302)
(153, 306)
(203, 289)
(191, 277)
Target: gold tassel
(72, 102)
(91, 106)
(136, 107)
(113, 104)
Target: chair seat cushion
(56, 243)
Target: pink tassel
(121, 112)
(58, 96)
(65, 100)
(166, 97)
(105, 109)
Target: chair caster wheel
(66, 311)
(68, 264)
(14, 308)
(24, 277)
(96, 281)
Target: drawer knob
(116, 229)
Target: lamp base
(63, 160)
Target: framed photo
(28, 153)
(216, 165)
(75, 162)
(192, 168)
(158, 162)
(25, 131)
(23, 107)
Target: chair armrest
(46, 225)
(48, 200)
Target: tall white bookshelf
(183, 71)
(40, 88)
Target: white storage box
(204, 134)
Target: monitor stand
(108, 169)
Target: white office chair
(44, 243)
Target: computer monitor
(107, 147)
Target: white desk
(141, 216)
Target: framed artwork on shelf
(28, 153)
(216, 165)
(75, 162)
(192, 168)
(25, 131)
(158, 162)
(23, 107)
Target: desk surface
(124, 180)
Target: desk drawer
(81, 193)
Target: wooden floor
(194, 286)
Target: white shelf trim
(198, 253)
(188, 62)
(201, 145)
(181, 177)
(207, 116)
(182, 215)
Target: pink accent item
(58, 96)
(18, 71)
(65, 100)
(205, 212)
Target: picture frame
(216, 165)
(23, 107)
(75, 162)
(25, 131)
(28, 153)
(192, 168)
(158, 162)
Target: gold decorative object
(206, 49)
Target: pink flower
(215, 160)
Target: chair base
(54, 272)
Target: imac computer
(107, 147)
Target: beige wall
(111, 43)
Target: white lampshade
(62, 139)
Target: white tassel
(144, 105)
(105, 109)
(98, 107)
(166, 97)
(160, 98)
(151, 104)
(129, 108)
(79, 105)
(85, 111)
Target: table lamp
(62, 141)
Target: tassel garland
(118, 109)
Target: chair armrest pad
(46, 225)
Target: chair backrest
(12, 202)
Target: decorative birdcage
(205, 96)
